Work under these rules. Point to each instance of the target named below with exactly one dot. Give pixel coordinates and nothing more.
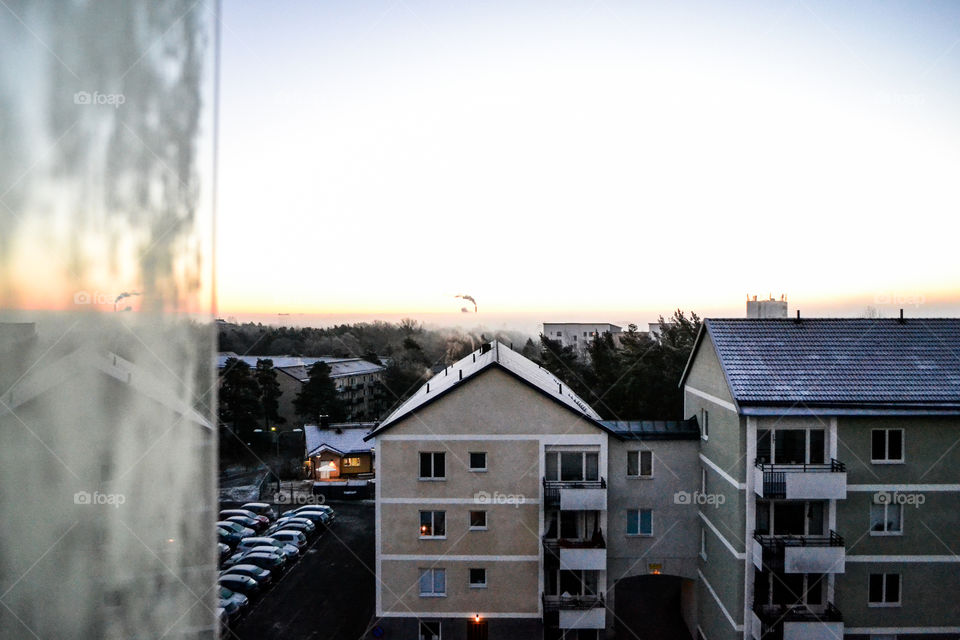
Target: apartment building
(507, 509)
(832, 446)
(578, 335)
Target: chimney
(901, 317)
(798, 316)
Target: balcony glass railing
(581, 602)
(551, 488)
(775, 475)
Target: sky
(593, 160)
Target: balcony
(576, 495)
(782, 622)
(578, 612)
(590, 555)
(800, 554)
(826, 481)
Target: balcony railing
(774, 617)
(800, 554)
(557, 603)
(551, 488)
(775, 475)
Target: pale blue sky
(587, 156)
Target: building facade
(578, 335)
(831, 445)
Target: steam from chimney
(464, 296)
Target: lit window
(639, 522)
(433, 524)
(351, 462)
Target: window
(429, 630)
(478, 578)
(433, 583)
(639, 522)
(478, 461)
(886, 446)
(559, 333)
(886, 518)
(640, 464)
(351, 462)
(432, 466)
(572, 466)
(433, 524)
(704, 424)
(478, 520)
(884, 590)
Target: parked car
(234, 603)
(226, 513)
(228, 537)
(308, 529)
(240, 584)
(319, 518)
(239, 529)
(290, 536)
(261, 509)
(311, 507)
(311, 526)
(223, 618)
(224, 551)
(249, 523)
(289, 550)
(261, 575)
(274, 562)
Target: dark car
(261, 509)
(319, 518)
(272, 561)
(240, 584)
(249, 523)
(296, 526)
(228, 537)
(261, 575)
(224, 551)
(226, 513)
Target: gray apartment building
(834, 446)
(811, 493)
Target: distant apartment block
(578, 335)
(359, 383)
(770, 308)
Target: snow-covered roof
(349, 440)
(492, 354)
(298, 367)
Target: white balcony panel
(812, 630)
(814, 560)
(758, 481)
(588, 559)
(583, 499)
(757, 554)
(756, 627)
(595, 618)
(816, 486)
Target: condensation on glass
(107, 448)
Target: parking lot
(329, 593)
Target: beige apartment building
(493, 511)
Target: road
(329, 593)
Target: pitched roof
(839, 362)
(688, 429)
(491, 355)
(349, 440)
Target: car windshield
(225, 594)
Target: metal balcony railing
(551, 488)
(773, 616)
(556, 603)
(774, 475)
(774, 546)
